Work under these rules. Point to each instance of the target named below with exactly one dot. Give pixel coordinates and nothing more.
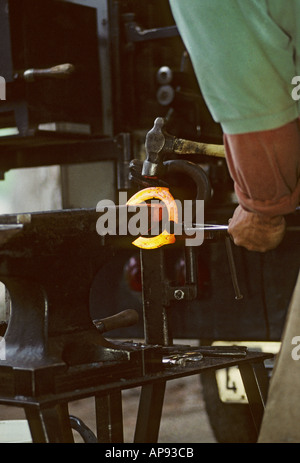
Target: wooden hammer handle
(122, 319)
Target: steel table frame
(56, 355)
(48, 415)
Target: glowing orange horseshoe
(165, 196)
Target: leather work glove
(256, 232)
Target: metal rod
(238, 294)
(190, 266)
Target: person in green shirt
(246, 57)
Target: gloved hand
(256, 232)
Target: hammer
(159, 142)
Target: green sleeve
(245, 54)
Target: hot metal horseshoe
(164, 195)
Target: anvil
(48, 261)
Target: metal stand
(54, 353)
(49, 419)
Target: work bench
(54, 352)
(49, 419)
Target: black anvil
(48, 261)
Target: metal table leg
(255, 381)
(149, 413)
(50, 424)
(109, 418)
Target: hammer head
(157, 144)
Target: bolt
(179, 294)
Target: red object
(133, 274)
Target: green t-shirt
(245, 54)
